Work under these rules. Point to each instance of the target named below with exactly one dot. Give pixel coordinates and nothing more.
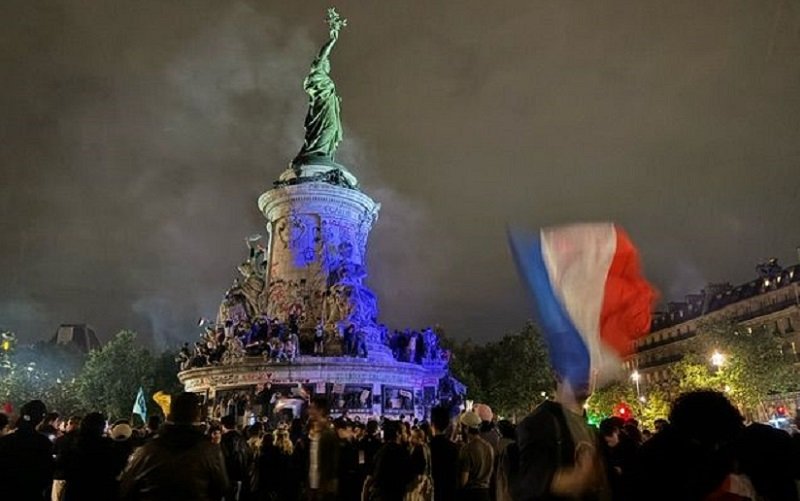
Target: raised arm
(325, 51)
(335, 23)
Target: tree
(462, 357)
(518, 372)
(165, 374)
(113, 374)
(752, 366)
(43, 371)
(651, 406)
(509, 375)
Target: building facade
(772, 300)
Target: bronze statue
(323, 121)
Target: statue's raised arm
(323, 123)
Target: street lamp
(717, 359)
(636, 377)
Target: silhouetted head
(31, 414)
(440, 418)
(93, 425)
(707, 417)
(392, 431)
(228, 422)
(185, 409)
(507, 429)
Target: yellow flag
(163, 400)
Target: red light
(781, 410)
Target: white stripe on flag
(578, 258)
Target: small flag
(591, 298)
(140, 405)
(164, 400)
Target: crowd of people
(416, 346)
(278, 341)
(268, 338)
(704, 452)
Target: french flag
(590, 296)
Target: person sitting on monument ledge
(184, 357)
(360, 344)
(319, 340)
(349, 340)
(274, 348)
(294, 328)
(294, 339)
(402, 345)
(420, 350)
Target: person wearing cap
(26, 457)
(476, 460)
(89, 466)
(179, 464)
(488, 428)
(122, 435)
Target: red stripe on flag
(628, 299)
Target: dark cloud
(137, 136)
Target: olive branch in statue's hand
(335, 22)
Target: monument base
(355, 386)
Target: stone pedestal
(317, 253)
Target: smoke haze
(137, 136)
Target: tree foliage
(755, 364)
(113, 374)
(43, 371)
(509, 375)
(70, 382)
(165, 374)
(646, 407)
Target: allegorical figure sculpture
(323, 122)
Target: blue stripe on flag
(569, 355)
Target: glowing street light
(636, 377)
(717, 359)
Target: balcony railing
(673, 339)
(766, 310)
(669, 359)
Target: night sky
(137, 135)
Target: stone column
(317, 255)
